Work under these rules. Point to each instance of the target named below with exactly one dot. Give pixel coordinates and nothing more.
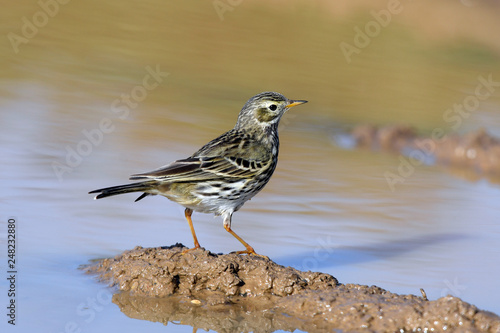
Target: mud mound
(477, 151)
(247, 293)
(162, 272)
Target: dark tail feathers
(128, 188)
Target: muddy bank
(477, 151)
(247, 293)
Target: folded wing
(196, 169)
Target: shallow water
(326, 208)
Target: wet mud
(478, 151)
(239, 293)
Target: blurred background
(94, 91)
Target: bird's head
(265, 110)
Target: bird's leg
(249, 250)
(188, 213)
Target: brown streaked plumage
(226, 172)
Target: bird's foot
(251, 251)
(197, 246)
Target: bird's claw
(191, 249)
(250, 251)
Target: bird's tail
(128, 188)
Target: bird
(223, 174)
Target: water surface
(326, 208)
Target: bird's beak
(294, 103)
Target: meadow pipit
(226, 172)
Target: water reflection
(237, 316)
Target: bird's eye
(273, 107)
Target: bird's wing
(181, 168)
(215, 162)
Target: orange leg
(188, 213)
(249, 249)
